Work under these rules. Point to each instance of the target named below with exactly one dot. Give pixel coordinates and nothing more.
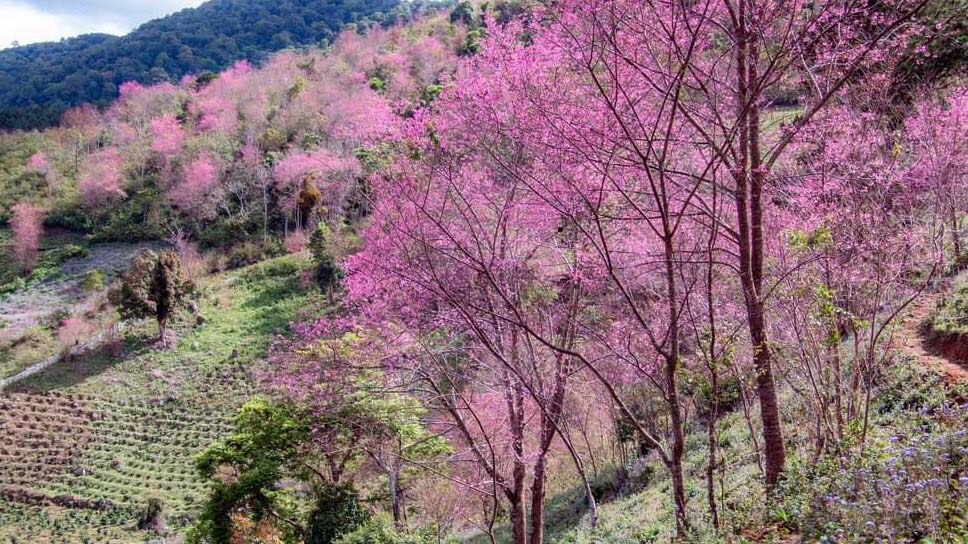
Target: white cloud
(29, 21)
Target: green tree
(338, 511)
(152, 287)
(245, 467)
(322, 247)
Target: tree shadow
(80, 368)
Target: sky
(30, 21)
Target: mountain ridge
(38, 82)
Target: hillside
(93, 439)
(39, 81)
(508, 272)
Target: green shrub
(952, 317)
(337, 512)
(144, 216)
(93, 280)
(728, 396)
(380, 530)
(43, 272)
(248, 253)
(15, 284)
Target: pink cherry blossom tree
(199, 192)
(26, 222)
(38, 164)
(167, 135)
(939, 165)
(100, 180)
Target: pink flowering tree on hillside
(939, 166)
(450, 254)
(199, 192)
(82, 132)
(167, 135)
(26, 222)
(625, 205)
(333, 175)
(854, 212)
(592, 126)
(100, 181)
(217, 105)
(735, 58)
(39, 164)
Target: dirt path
(911, 339)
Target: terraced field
(85, 444)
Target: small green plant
(153, 516)
(93, 280)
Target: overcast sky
(29, 21)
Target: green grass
(952, 317)
(639, 511)
(56, 246)
(17, 353)
(156, 408)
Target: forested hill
(38, 82)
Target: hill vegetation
(39, 81)
(516, 272)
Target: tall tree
(152, 287)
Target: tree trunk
(163, 330)
(517, 514)
(956, 237)
(393, 478)
(678, 447)
(774, 452)
(711, 465)
(749, 176)
(537, 502)
(672, 393)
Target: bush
(248, 253)
(728, 396)
(73, 331)
(153, 516)
(93, 280)
(143, 216)
(909, 489)
(380, 530)
(338, 511)
(952, 317)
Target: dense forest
(38, 82)
(509, 272)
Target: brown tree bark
(749, 176)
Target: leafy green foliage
(338, 511)
(245, 467)
(152, 287)
(380, 530)
(952, 317)
(321, 245)
(93, 280)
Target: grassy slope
(952, 317)
(639, 512)
(154, 409)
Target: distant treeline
(39, 81)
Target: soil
(926, 348)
